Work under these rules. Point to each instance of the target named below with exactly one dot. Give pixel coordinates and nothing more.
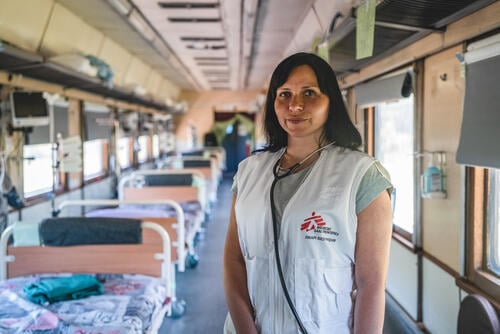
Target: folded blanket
(51, 290)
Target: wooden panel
(206, 171)
(168, 224)
(176, 193)
(137, 259)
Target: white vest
(316, 245)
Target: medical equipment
(277, 177)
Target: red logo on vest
(312, 222)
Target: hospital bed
(208, 167)
(174, 225)
(171, 185)
(133, 288)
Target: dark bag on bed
(71, 231)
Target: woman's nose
(296, 103)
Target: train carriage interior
(125, 121)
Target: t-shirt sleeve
(234, 187)
(375, 180)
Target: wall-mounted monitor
(28, 109)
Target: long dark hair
(338, 127)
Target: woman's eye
(309, 92)
(284, 94)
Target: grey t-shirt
(375, 180)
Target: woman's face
(301, 108)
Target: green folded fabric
(52, 290)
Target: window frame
(104, 159)
(478, 277)
(130, 152)
(43, 191)
(493, 223)
(408, 239)
(148, 149)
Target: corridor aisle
(201, 287)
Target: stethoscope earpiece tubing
(278, 177)
(277, 254)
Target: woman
(325, 203)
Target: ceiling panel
(256, 34)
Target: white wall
(441, 300)
(402, 278)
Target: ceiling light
(197, 46)
(122, 6)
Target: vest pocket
(340, 282)
(323, 295)
(258, 288)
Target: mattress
(129, 304)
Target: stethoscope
(278, 176)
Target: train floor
(201, 287)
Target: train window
(493, 259)
(394, 120)
(37, 169)
(93, 166)
(124, 148)
(143, 154)
(156, 146)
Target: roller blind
(480, 132)
(98, 122)
(41, 135)
(377, 91)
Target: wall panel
(441, 300)
(22, 23)
(117, 57)
(402, 278)
(67, 33)
(443, 92)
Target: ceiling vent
(188, 5)
(203, 39)
(194, 19)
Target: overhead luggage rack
(397, 25)
(17, 61)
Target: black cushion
(477, 316)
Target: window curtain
(480, 135)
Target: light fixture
(122, 6)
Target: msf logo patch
(320, 231)
(312, 222)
